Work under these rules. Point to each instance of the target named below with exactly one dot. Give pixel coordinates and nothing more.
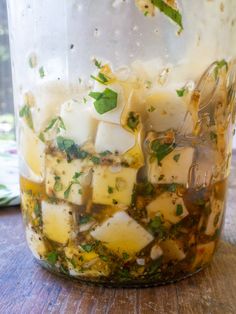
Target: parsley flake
(105, 101)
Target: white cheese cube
(172, 250)
(59, 179)
(33, 153)
(79, 124)
(113, 185)
(57, 221)
(48, 98)
(114, 138)
(121, 233)
(114, 115)
(36, 243)
(215, 218)
(174, 167)
(166, 110)
(204, 253)
(170, 206)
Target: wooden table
(27, 288)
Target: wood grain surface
(27, 288)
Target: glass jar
(125, 113)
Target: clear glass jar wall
(125, 122)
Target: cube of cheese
(215, 218)
(114, 115)
(113, 185)
(172, 250)
(167, 111)
(36, 243)
(48, 98)
(114, 138)
(174, 167)
(59, 179)
(170, 206)
(33, 153)
(57, 221)
(79, 124)
(121, 233)
(204, 254)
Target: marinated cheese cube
(174, 167)
(113, 185)
(166, 110)
(57, 221)
(172, 250)
(114, 115)
(204, 253)
(79, 124)
(48, 98)
(215, 218)
(170, 206)
(121, 233)
(114, 138)
(36, 243)
(67, 180)
(33, 153)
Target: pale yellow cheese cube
(215, 218)
(57, 221)
(170, 206)
(33, 153)
(36, 243)
(172, 250)
(121, 233)
(59, 179)
(113, 185)
(204, 253)
(174, 167)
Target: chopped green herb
(181, 92)
(110, 190)
(161, 150)
(70, 148)
(67, 191)
(41, 72)
(133, 120)
(37, 210)
(172, 187)
(57, 185)
(172, 13)
(105, 101)
(26, 114)
(105, 153)
(156, 227)
(95, 160)
(41, 137)
(52, 258)
(101, 78)
(55, 121)
(219, 65)
(104, 258)
(85, 219)
(32, 61)
(87, 247)
(179, 210)
(161, 177)
(125, 256)
(151, 109)
(77, 175)
(176, 157)
(114, 202)
(98, 64)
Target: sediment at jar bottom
(126, 182)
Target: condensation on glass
(125, 126)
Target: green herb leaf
(41, 137)
(110, 189)
(101, 78)
(151, 109)
(181, 92)
(67, 191)
(98, 64)
(219, 65)
(95, 160)
(133, 121)
(105, 153)
(57, 185)
(179, 210)
(176, 157)
(37, 210)
(156, 227)
(170, 12)
(125, 255)
(172, 187)
(105, 101)
(52, 258)
(161, 150)
(213, 137)
(87, 247)
(41, 72)
(77, 175)
(54, 122)
(85, 219)
(26, 114)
